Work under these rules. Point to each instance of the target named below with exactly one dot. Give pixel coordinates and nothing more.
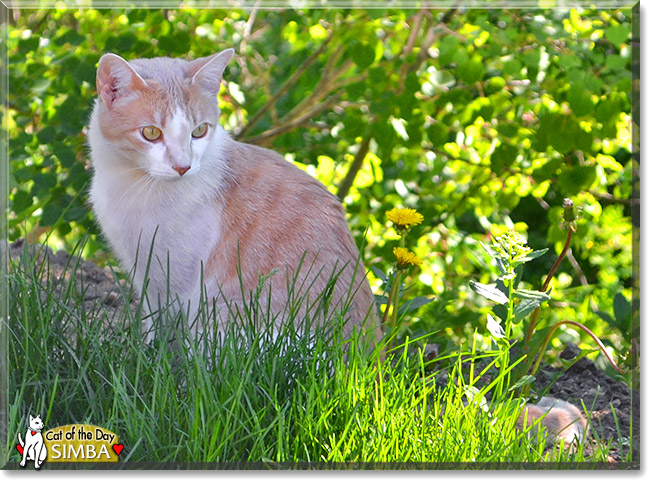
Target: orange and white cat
(165, 168)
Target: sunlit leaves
(504, 113)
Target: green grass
(256, 398)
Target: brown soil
(611, 403)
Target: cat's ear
(207, 72)
(116, 78)
(30, 417)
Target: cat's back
(281, 196)
(276, 216)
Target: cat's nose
(181, 169)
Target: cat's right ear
(116, 78)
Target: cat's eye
(200, 131)
(151, 133)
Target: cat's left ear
(207, 72)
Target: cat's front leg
(25, 453)
(38, 450)
(42, 454)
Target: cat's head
(35, 423)
(161, 113)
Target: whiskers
(144, 184)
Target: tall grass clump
(259, 392)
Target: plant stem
(392, 300)
(533, 320)
(355, 166)
(505, 355)
(579, 325)
(286, 86)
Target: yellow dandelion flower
(405, 258)
(404, 218)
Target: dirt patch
(611, 404)
(97, 286)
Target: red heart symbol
(20, 449)
(33, 433)
(118, 447)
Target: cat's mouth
(172, 174)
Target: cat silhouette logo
(68, 443)
(33, 448)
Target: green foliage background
(482, 119)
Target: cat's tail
(20, 440)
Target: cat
(215, 213)
(218, 214)
(563, 420)
(33, 448)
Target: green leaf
(120, 43)
(179, 42)
(85, 72)
(379, 274)
(46, 135)
(65, 155)
(607, 109)
(526, 306)
(75, 214)
(491, 292)
(530, 256)
(532, 58)
(622, 310)
(40, 85)
(45, 180)
(471, 71)
(491, 251)
(513, 67)
(51, 214)
(399, 125)
(503, 157)
(438, 134)
(494, 327)
(580, 100)
(562, 137)
(575, 178)
(381, 299)
(21, 200)
(615, 62)
(362, 54)
(522, 382)
(617, 34)
(567, 61)
(607, 318)
(531, 295)
(447, 49)
(508, 130)
(28, 45)
(69, 36)
(414, 304)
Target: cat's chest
(165, 221)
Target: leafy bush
(482, 120)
